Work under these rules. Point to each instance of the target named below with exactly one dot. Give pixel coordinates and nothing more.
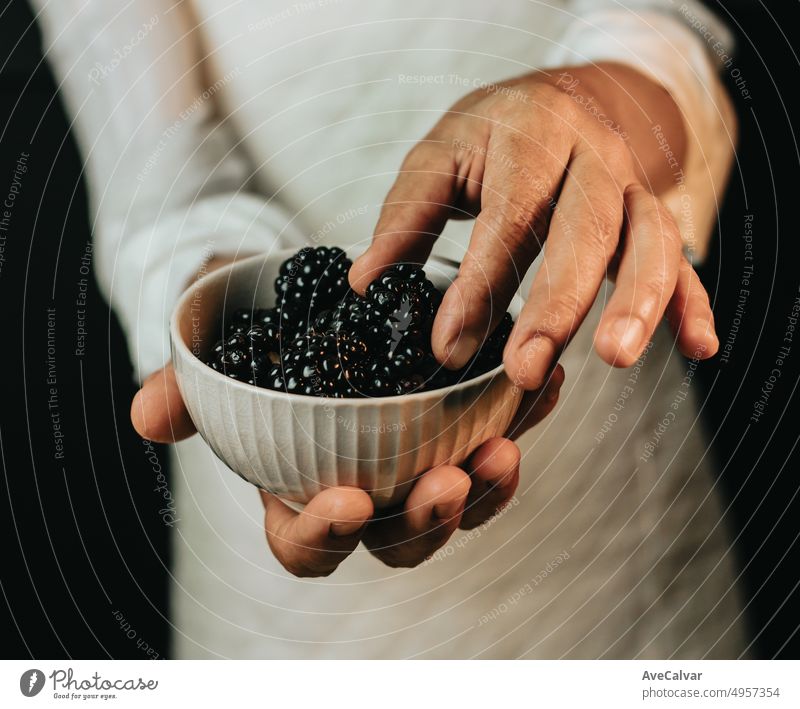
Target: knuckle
(649, 303)
(602, 231)
(519, 224)
(302, 569)
(347, 504)
(501, 109)
(482, 95)
(292, 557)
(661, 223)
(395, 559)
(563, 104)
(323, 572)
(562, 314)
(691, 286)
(614, 159)
(476, 519)
(394, 215)
(650, 294)
(422, 157)
(292, 567)
(655, 287)
(446, 482)
(617, 149)
(702, 299)
(615, 165)
(670, 232)
(553, 99)
(506, 456)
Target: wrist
(631, 105)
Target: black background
(85, 554)
(82, 539)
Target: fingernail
(345, 529)
(446, 510)
(630, 334)
(460, 350)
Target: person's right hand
(540, 173)
(315, 541)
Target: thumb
(158, 412)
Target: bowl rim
(226, 271)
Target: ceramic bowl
(295, 446)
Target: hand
(507, 155)
(315, 541)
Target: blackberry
(491, 354)
(239, 321)
(322, 339)
(273, 378)
(295, 383)
(334, 363)
(407, 303)
(261, 366)
(272, 322)
(313, 279)
(498, 339)
(408, 385)
(323, 321)
(406, 358)
(231, 356)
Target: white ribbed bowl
(295, 446)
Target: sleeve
(166, 178)
(683, 47)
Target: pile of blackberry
(323, 339)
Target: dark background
(83, 539)
(759, 461)
(85, 559)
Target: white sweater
(230, 125)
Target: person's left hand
(315, 541)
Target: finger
(584, 233)
(315, 541)
(537, 405)
(413, 215)
(428, 518)
(507, 236)
(648, 270)
(158, 412)
(690, 316)
(494, 472)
